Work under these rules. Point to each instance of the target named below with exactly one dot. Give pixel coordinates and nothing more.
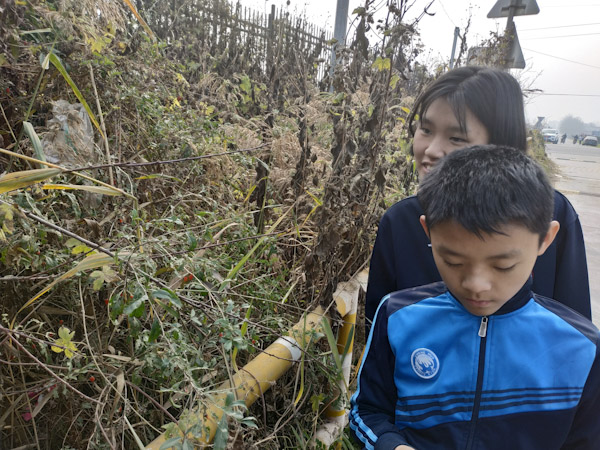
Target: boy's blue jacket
(435, 376)
(402, 258)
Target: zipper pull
(483, 327)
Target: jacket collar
(517, 301)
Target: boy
(477, 361)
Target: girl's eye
(424, 130)
(458, 140)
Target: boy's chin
(481, 307)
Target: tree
(572, 125)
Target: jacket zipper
(483, 327)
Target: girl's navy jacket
(402, 258)
(435, 376)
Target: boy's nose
(476, 284)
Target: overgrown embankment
(201, 203)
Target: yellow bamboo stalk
(346, 300)
(256, 377)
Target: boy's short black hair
(492, 95)
(485, 187)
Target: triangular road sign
(516, 60)
(523, 8)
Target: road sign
(520, 8)
(516, 60)
(492, 56)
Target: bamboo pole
(346, 300)
(256, 377)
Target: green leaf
(133, 306)
(167, 294)
(221, 434)
(192, 241)
(245, 85)
(35, 141)
(171, 443)
(154, 331)
(98, 279)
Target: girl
(469, 106)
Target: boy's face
(483, 274)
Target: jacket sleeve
(381, 270)
(373, 404)
(572, 285)
(585, 430)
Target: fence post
(270, 37)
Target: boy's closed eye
(452, 264)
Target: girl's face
(438, 133)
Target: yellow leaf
(65, 337)
(79, 187)
(180, 79)
(92, 261)
(405, 109)
(382, 64)
(24, 178)
(139, 18)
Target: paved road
(579, 180)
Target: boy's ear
(549, 238)
(424, 225)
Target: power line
(560, 26)
(446, 12)
(570, 6)
(562, 59)
(568, 95)
(564, 36)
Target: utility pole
(339, 31)
(456, 31)
(512, 8)
(511, 30)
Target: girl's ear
(549, 238)
(424, 225)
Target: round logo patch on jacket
(425, 363)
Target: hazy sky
(561, 45)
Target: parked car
(590, 140)
(550, 135)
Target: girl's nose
(436, 149)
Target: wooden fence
(240, 37)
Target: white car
(590, 140)
(550, 135)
